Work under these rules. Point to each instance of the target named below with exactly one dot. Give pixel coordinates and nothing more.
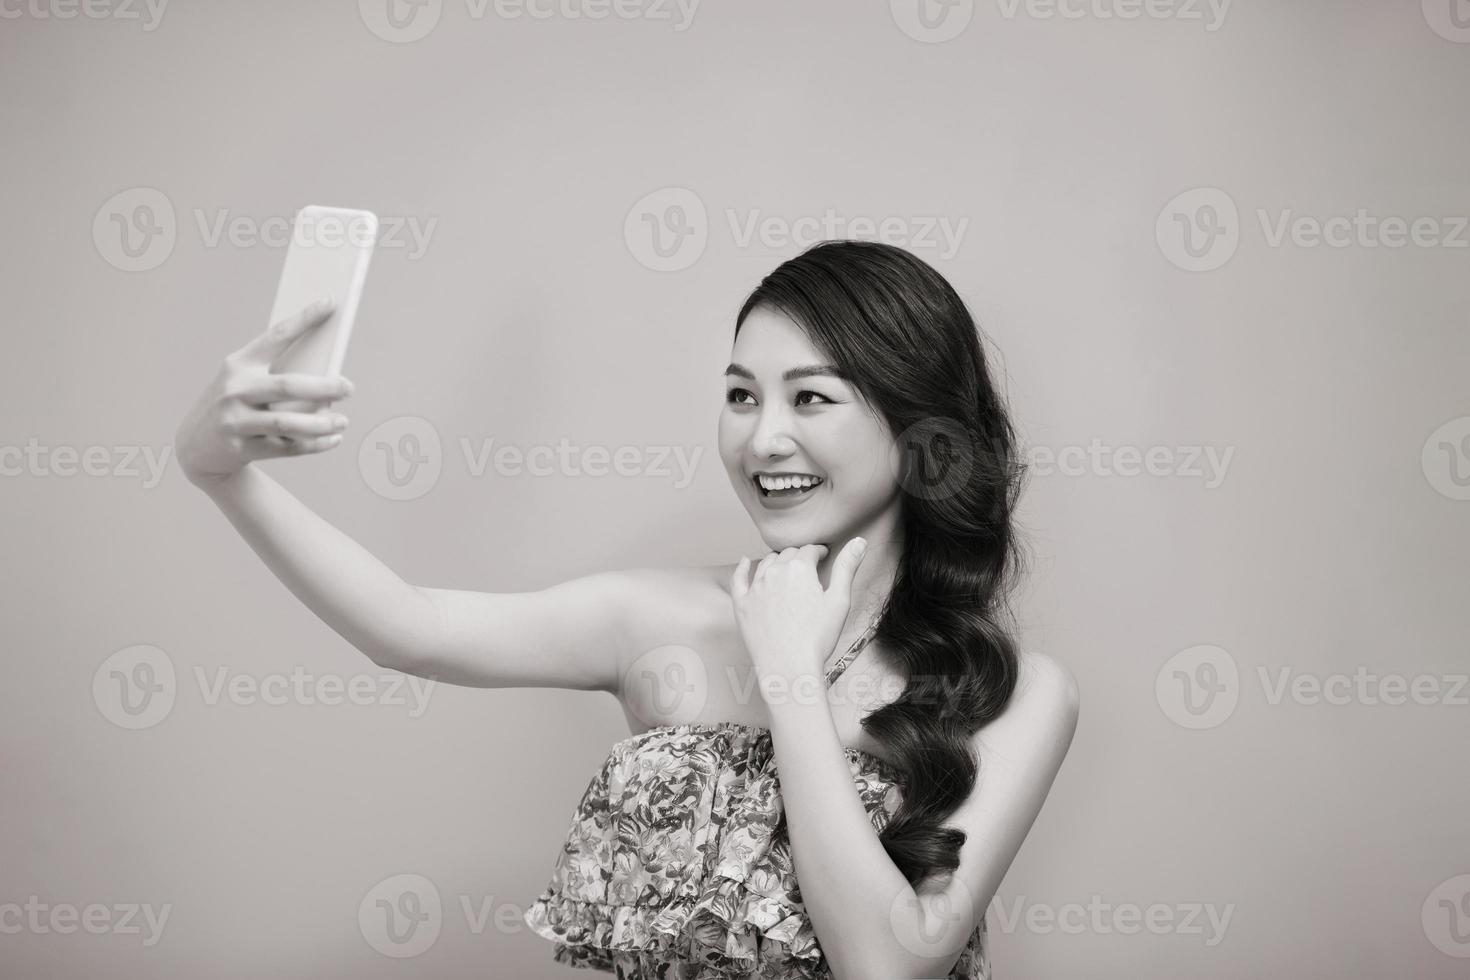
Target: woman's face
(814, 424)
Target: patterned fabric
(678, 864)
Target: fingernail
(348, 387)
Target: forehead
(770, 340)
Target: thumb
(846, 565)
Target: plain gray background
(1070, 151)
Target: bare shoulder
(675, 604)
(1047, 685)
(664, 596)
(1042, 713)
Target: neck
(872, 583)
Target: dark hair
(903, 336)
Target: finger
(270, 447)
(760, 569)
(811, 553)
(263, 389)
(297, 425)
(846, 566)
(274, 340)
(739, 581)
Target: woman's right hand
(232, 423)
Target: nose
(770, 439)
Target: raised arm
(569, 635)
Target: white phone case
(328, 256)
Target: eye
(732, 396)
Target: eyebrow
(796, 373)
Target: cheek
(730, 441)
(870, 469)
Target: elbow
(407, 648)
(389, 658)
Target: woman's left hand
(790, 624)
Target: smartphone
(328, 257)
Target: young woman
(837, 751)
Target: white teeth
(787, 482)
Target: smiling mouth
(789, 492)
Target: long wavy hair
(898, 329)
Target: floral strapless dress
(678, 865)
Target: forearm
(336, 578)
(851, 888)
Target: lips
(766, 493)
